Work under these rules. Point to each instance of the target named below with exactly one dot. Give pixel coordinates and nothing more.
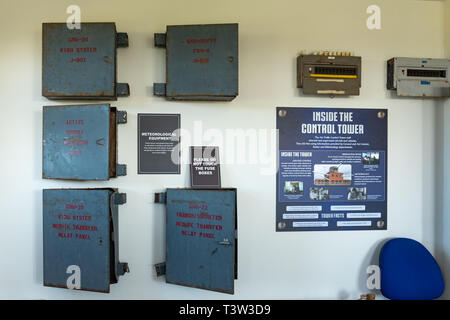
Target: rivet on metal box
(80, 142)
(329, 73)
(81, 63)
(201, 238)
(81, 238)
(419, 77)
(201, 62)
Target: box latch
(121, 170)
(160, 40)
(122, 268)
(119, 198)
(160, 197)
(122, 40)
(121, 117)
(160, 269)
(122, 89)
(159, 89)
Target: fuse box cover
(79, 142)
(79, 63)
(201, 238)
(77, 232)
(202, 62)
(329, 74)
(419, 77)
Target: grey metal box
(201, 62)
(201, 238)
(80, 142)
(329, 74)
(81, 63)
(81, 236)
(419, 77)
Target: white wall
(443, 172)
(324, 265)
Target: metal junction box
(80, 142)
(201, 238)
(81, 63)
(201, 62)
(419, 77)
(81, 248)
(329, 74)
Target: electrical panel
(81, 238)
(80, 142)
(81, 63)
(329, 73)
(419, 77)
(201, 62)
(201, 238)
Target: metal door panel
(76, 142)
(66, 245)
(79, 62)
(201, 62)
(192, 259)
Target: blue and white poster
(332, 169)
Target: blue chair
(409, 271)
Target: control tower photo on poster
(332, 169)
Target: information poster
(332, 169)
(205, 167)
(158, 139)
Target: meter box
(201, 238)
(81, 244)
(201, 62)
(80, 142)
(329, 74)
(81, 63)
(419, 77)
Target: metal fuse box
(80, 142)
(419, 77)
(81, 63)
(80, 232)
(201, 62)
(201, 238)
(326, 74)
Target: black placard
(158, 139)
(205, 167)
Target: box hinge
(160, 197)
(160, 269)
(121, 40)
(121, 117)
(159, 89)
(122, 268)
(121, 170)
(160, 40)
(122, 89)
(119, 198)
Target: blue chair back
(409, 271)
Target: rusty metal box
(201, 238)
(81, 63)
(329, 74)
(81, 238)
(419, 77)
(201, 62)
(80, 142)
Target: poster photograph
(332, 169)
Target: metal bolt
(281, 225)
